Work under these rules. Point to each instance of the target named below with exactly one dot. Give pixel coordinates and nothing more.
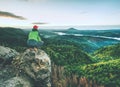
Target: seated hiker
(34, 40)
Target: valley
(79, 57)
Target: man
(34, 40)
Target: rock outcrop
(16, 82)
(7, 54)
(32, 66)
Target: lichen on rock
(16, 82)
(36, 65)
(7, 54)
(30, 66)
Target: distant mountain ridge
(71, 29)
(108, 33)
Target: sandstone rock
(29, 66)
(7, 54)
(36, 65)
(16, 82)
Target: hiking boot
(35, 49)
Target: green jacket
(34, 35)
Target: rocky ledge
(28, 69)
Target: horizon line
(94, 27)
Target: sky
(59, 13)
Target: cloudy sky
(46, 13)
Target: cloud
(11, 15)
(39, 23)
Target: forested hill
(67, 55)
(107, 53)
(107, 33)
(12, 36)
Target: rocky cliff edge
(28, 69)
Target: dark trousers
(34, 43)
